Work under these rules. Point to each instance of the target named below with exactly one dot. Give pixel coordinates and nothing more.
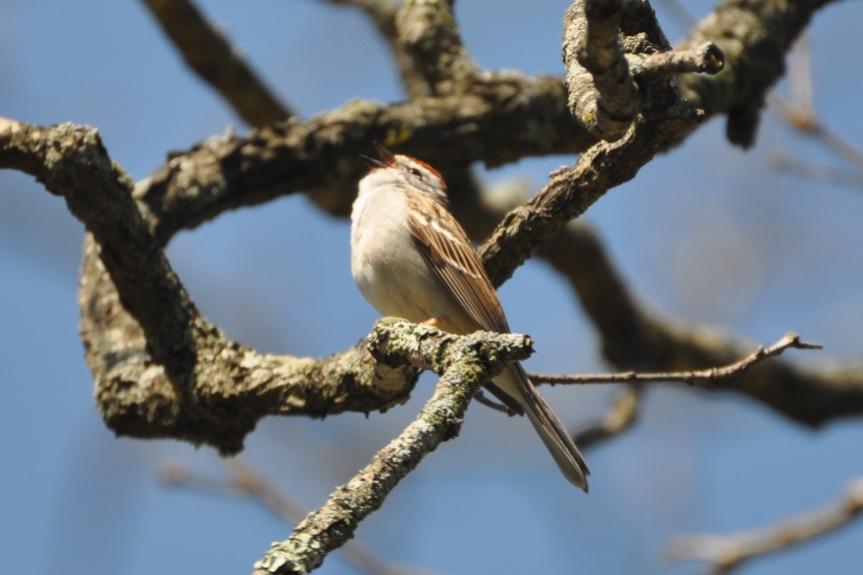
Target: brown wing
(448, 251)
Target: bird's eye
(416, 172)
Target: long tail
(514, 381)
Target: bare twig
(701, 377)
(465, 363)
(799, 111)
(727, 553)
(244, 480)
(805, 121)
(482, 398)
(208, 53)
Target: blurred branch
(816, 172)
(703, 377)
(799, 113)
(727, 553)
(753, 36)
(620, 417)
(382, 13)
(634, 337)
(464, 363)
(427, 32)
(244, 480)
(209, 54)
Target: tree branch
(754, 36)
(465, 363)
(488, 124)
(207, 52)
(160, 369)
(727, 553)
(620, 417)
(708, 59)
(427, 32)
(602, 93)
(703, 377)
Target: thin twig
(727, 553)
(806, 122)
(797, 167)
(244, 480)
(699, 376)
(799, 111)
(482, 398)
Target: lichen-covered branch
(707, 59)
(208, 53)
(602, 93)
(725, 554)
(160, 369)
(570, 191)
(504, 119)
(465, 363)
(427, 32)
(72, 163)
(499, 118)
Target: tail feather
(558, 441)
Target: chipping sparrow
(411, 259)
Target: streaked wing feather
(447, 249)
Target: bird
(411, 259)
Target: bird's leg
(431, 322)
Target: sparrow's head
(407, 173)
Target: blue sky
(707, 233)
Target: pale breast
(387, 268)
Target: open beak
(386, 160)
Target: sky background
(706, 233)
